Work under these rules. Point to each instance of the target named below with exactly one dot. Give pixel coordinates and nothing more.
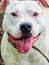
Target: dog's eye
(35, 14)
(14, 14)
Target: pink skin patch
(3, 5)
(23, 45)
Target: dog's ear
(44, 3)
(3, 5)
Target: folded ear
(44, 3)
(3, 4)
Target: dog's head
(23, 21)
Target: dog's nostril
(29, 27)
(26, 27)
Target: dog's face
(23, 22)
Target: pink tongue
(23, 45)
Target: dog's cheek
(6, 25)
(36, 29)
(16, 31)
(41, 21)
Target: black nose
(25, 28)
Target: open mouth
(23, 44)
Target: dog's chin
(23, 44)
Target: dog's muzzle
(24, 44)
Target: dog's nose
(25, 28)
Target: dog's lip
(23, 44)
(23, 36)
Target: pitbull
(24, 27)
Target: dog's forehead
(33, 6)
(23, 6)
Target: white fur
(12, 25)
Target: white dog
(24, 26)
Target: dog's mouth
(23, 44)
